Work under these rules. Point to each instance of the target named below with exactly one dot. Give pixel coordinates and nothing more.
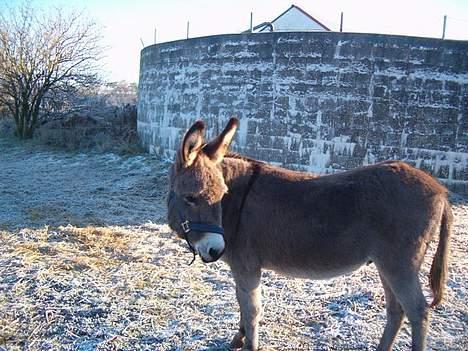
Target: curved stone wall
(322, 102)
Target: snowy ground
(87, 263)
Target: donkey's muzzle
(210, 247)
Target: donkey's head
(196, 189)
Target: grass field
(88, 263)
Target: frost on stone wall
(324, 102)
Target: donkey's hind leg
(395, 316)
(406, 287)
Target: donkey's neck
(236, 172)
(239, 175)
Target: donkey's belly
(314, 272)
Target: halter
(200, 227)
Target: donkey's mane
(261, 164)
(238, 156)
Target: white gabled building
(293, 19)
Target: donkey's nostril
(214, 253)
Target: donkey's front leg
(248, 293)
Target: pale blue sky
(125, 22)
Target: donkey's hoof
(237, 341)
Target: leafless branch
(43, 53)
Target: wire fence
(454, 28)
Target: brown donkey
(253, 215)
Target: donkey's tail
(439, 268)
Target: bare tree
(42, 55)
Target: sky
(129, 24)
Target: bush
(114, 131)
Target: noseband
(198, 227)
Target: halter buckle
(185, 226)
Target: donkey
(257, 216)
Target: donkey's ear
(192, 143)
(217, 148)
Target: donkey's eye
(191, 200)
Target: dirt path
(87, 263)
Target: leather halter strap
(188, 226)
